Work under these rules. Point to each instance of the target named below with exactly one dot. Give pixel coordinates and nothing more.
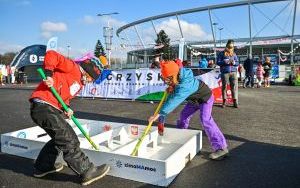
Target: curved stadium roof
(244, 21)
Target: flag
(52, 44)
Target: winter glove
(160, 127)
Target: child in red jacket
(66, 77)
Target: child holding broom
(183, 86)
(66, 77)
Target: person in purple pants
(182, 85)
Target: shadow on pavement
(251, 164)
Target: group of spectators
(9, 75)
(203, 63)
(262, 72)
(229, 65)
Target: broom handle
(66, 108)
(140, 140)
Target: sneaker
(235, 105)
(219, 155)
(94, 173)
(38, 173)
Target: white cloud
(103, 20)
(89, 20)
(6, 47)
(48, 28)
(112, 22)
(191, 31)
(54, 26)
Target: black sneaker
(94, 173)
(38, 173)
(235, 105)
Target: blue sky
(27, 22)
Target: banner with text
(141, 84)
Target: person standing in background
(249, 74)
(228, 62)
(203, 63)
(8, 77)
(13, 78)
(1, 82)
(4, 74)
(267, 69)
(259, 73)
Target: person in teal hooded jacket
(182, 85)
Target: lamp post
(215, 30)
(68, 48)
(108, 34)
(220, 29)
(215, 40)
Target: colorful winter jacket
(188, 88)
(67, 79)
(224, 63)
(259, 71)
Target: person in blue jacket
(182, 85)
(228, 62)
(203, 63)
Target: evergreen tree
(99, 50)
(163, 39)
(7, 58)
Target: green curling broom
(66, 108)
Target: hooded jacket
(188, 88)
(67, 79)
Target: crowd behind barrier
(11, 75)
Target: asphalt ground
(263, 136)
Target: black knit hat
(92, 68)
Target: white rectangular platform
(160, 158)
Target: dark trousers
(63, 138)
(249, 79)
(230, 78)
(8, 79)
